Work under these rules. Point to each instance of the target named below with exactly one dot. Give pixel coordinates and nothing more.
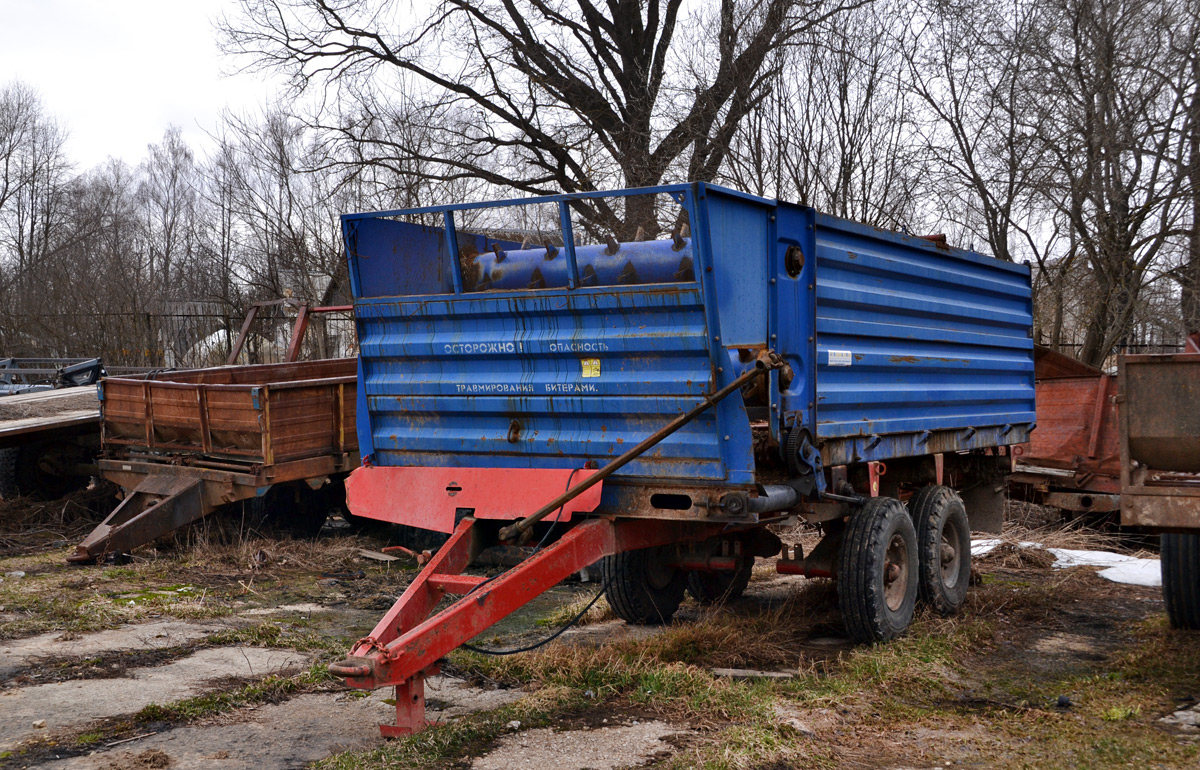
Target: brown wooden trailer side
(187, 443)
(257, 414)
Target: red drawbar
(430, 497)
(408, 642)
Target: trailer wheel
(943, 548)
(8, 474)
(1181, 578)
(641, 586)
(22, 474)
(713, 587)
(293, 509)
(877, 574)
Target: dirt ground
(199, 655)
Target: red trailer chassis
(406, 645)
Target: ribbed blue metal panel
(935, 338)
(445, 377)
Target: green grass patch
(269, 634)
(745, 746)
(1121, 713)
(271, 689)
(560, 616)
(118, 573)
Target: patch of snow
(1118, 568)
(985, 545)
(1135, 572)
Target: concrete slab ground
(23, 653)
(604, 749)
(290, 734)
(75, 703)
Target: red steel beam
(405, 645)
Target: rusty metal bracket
(160, 504)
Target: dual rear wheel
(1181, 578)
(892, 556)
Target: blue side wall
(445, 379)
(931, 348)
(913, 337)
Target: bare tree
(967, 65)
(1187, 43)
(836, 131)
(35, 171)
(538, 95)
(168, 196)
(20, 114)
(1111, 106)
(1058, 126)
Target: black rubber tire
(639, 588)
(21, 474)
(1180, 553)
(294, 509)
(941, 520)
(416, 538)
(8, 473)
(714, 587)
(874, 609)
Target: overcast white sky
(118, 72)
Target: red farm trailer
(1072, 461)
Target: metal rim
(659, 571)
(950, 553)
(895, 572)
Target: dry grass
(669, 671)
(27, 524)
(1031, 516)
(1011, 555)
(1074, 535)
(600, 612)
(262, 555)
(206, 581)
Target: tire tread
(707, 591)
(927, 507)
(1180, 554)
(629, 593)
(860, 595)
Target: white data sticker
(591, 367)
(839, 357)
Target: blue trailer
(657, 401)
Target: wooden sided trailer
(183, 444)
